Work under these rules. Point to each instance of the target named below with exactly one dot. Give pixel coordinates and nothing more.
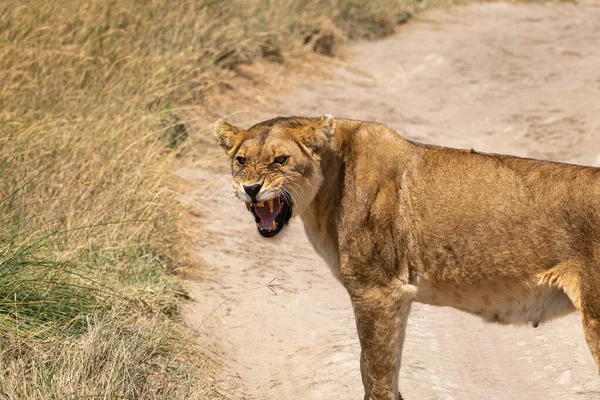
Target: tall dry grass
(92, 99)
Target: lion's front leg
(381, 315)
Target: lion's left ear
(320, 133)
(228, 136)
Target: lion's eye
(281, 159)
(241, 160)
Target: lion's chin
(271, 216)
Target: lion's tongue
(265, 214)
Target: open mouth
(271, 215)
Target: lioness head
(276, 166)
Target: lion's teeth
(273, 225)
(249, 206)
(270, 203)
(261, 204)
(259, 225)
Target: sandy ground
(522, 79)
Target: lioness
(510, 239)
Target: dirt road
(509, 78)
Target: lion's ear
(228, 136)
(320, 133)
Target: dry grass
(92, 95)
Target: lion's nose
(252, 191)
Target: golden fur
(513, 240)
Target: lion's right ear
(318, 134)
(228, 136)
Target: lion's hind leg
(589, 307)
(565, 276)
(581, 282)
